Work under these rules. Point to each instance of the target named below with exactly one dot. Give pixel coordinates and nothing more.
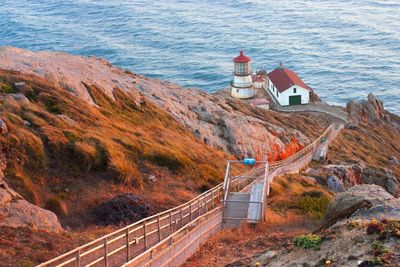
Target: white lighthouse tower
(242, 83)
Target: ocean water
(343, 49)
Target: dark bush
(123, 209)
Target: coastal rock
(348, 174)
(360, 197)
(369, 111)
(68, 72)
(383, 178)
(335, 184)
(345, 241)
(17, 212)
(217, 120)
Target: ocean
(342, 49)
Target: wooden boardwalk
(170, 237)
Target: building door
(294, 100)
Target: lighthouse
(242, 83)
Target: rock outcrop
(346, 241)
(214, 119)
(344, 176)
(15, 211)
(364, 201)
(370, 111)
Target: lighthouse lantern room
(242, 83)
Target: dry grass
(23, 247)
(284, 221)
(118, 144)
(373, 145)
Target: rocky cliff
(214, 119)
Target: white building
(259, 79)
(287, 88)
(242, 83)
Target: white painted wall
(242, 87)
(242, 92)
(242, 81)
(283, 98)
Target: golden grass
(374, 145)
(120, 142)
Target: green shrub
(308, 241)
(313, 193)
(313, 203)
(7, 89)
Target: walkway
(171, 237)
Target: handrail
(206, 199)
(139, 234)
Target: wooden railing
(121, 246)
(141, 239)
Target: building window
(277, 94)
(294, 90)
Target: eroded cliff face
(216, 120)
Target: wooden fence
(119, 247)
(169, 233)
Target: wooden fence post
(170, 223)
(128, 256)
(78, 258)
(144, 235)
(198, 207)
(181, 217)
(105, 252)
(190, 205)
(212, 199)
(159, 228)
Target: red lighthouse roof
(241, 58)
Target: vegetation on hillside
(67, 155)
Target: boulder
(17, 212)
(360, 197)
(335, 184)
(348, 174)
(383, 178)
